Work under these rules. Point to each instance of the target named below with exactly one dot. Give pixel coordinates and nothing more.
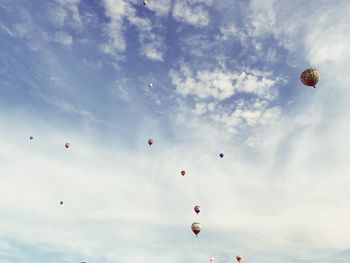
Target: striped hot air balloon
(196, 228)
(310, 77)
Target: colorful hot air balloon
(183, 173)
(239, 258)
(61, 202)
(211, 259)
(310, 77)
(150, 141)
(67, 145)
(197, 209)
(196, 228)
(221, 155)
(31, 137)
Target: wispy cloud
(191, 13)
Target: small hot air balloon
(67, 145)
(150, 85)
(211, 259)
(61, 202)
(221, 155)
(197, 209)
(196, 228)
(145, 2)
(239, 258)
(183, 173)
(31, 137)
(310, 77)
(150, 141)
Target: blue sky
(225, 78)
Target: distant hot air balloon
(150, 141)
(150, 85)
(61, 202)
(196, 228)
(67, 145)
(310, 77)
(183, 173)
(31, 137)
(145, 2)
(211, 260)
(221, 155)
(197, 209)
(239, 258)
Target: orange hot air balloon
(239, 258)
(310, 77)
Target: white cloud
(63, 38)
(65, 13)
(195, 15)
(160, 7)
(223, 84)
(151, 44)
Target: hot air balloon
(61, 202)
(145, 2)
(197, 209)
(183, 173)
(239, 258)
(31, 137)
(150, 85)
(150, 141)
(196, 228)
(221, 155)
(310, 77)
(211, 259)
(67, 145)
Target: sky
(226, 78)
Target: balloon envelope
(196, 228)
(197, 209)
(150, 141)
(183, 173)
(67, 145)
(221, 155)
(31, 137)
(239, 258)
(310, 77)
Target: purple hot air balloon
(221, 155)
(197, 209)
(150, 142)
